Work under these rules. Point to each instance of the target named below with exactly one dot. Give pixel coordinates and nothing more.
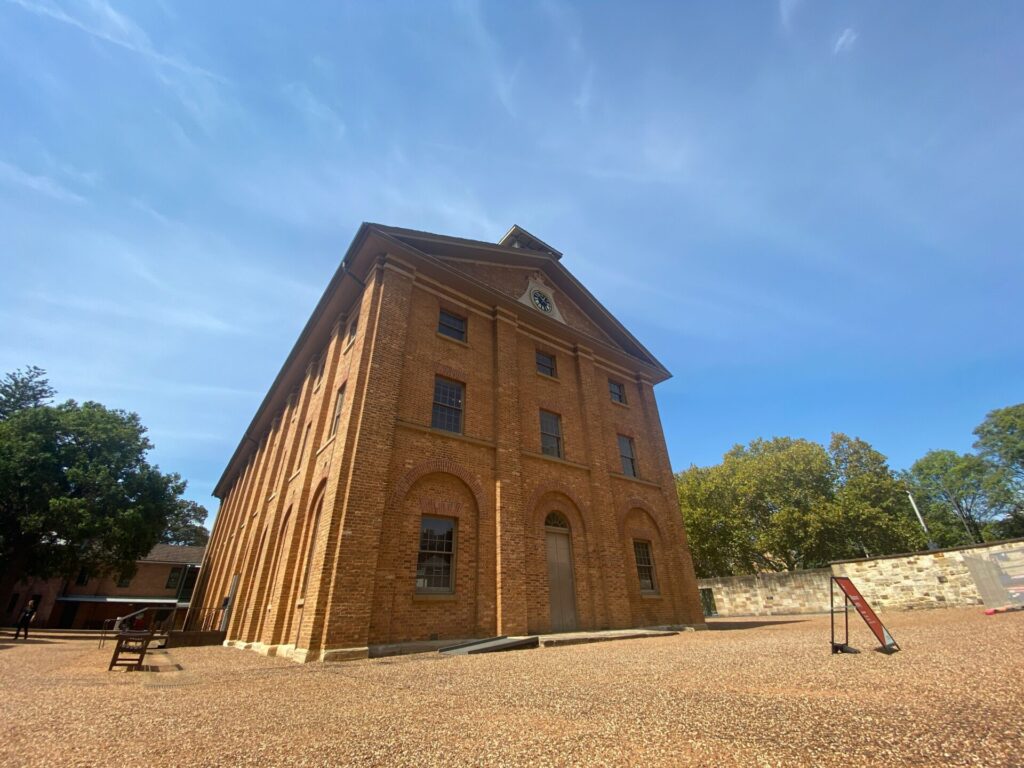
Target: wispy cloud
(845, 41)
(314, 110)
(586, 92)
(149, 210)
(502, 78)
(106, 24)
(185, 318)
(44, 185)
(787, 10)
(196, 88)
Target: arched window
(555, 520)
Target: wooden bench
(130, 650)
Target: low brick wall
(767, 594)
(901, 582)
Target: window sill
(548, 376)
(460, 342)
(650, 595)
(297, 473)
(620, 476)
(555, 459)
(439, 597)
(621, 405)
(444, 433)
(348, 346)
(324, 447)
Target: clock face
(541, 300)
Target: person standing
(28, 615)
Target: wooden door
(561, 589)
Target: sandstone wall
(766, 594)
(921, 580)
(902, 582)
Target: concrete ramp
(491, 645)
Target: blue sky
(810, 212)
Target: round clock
(541, 300)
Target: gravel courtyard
(750, 692)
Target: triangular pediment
(531, 274)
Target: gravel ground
(752, 693)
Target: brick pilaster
(613, 610)
(510, 522)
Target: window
(320, 365)
(338, 403)
(452, 325)
(191, 575)
(645, 566)
(435, 564)
(447, 405)
(83, 577)
(550, 434)
(302, 448)
(627, 453)
(352, 328)
(555, 520)
(173, 578)
(546, 364)
(618, 391)
(124, 580)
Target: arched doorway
(561, 585)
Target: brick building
(164, 578)
(462, 443)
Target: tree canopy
(961, 484)
(785, 503)
(22, 389)
(1001, 441)
(76, 489)
(185, 524)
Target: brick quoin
(323, 500)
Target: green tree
(1001, 443)
(872, 514)
(1001, 440)
(713, 524)
(961, 485)
(185, 524)
(23, 389)
(783, 504)
(77, 492)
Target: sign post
(851, 595)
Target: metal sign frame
(852, 596)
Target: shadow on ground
(716, 624)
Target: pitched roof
(173, 553)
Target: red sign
(869, 616)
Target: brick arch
(433, 466)
(543, 490)
(636, 502)
(318, 496)
(570, 506)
